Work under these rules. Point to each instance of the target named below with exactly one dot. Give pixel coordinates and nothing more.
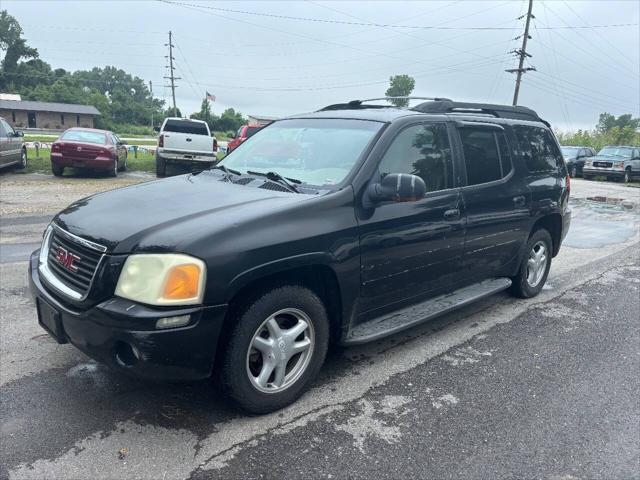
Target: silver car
(619, 162)
(12, 148)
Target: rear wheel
(535, 265)
(23, 159)
(161, 166)
(276, 349)
(573, 171)
(114, 169)
(123, 168)
(57, 170)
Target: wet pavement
(545, 388)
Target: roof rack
(358, 104)
(500, 111)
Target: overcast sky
(257, 62)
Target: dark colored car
(12, 148)
(242, 134)
(248, 270)
(575, 158)
(88, 148)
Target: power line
(371, 24)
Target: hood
(608, 158)
(187, 206)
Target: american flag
(210, 97)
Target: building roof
(48, 107)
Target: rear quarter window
(538, 149)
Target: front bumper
(603, 172)
(123, 335)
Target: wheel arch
(553, 224)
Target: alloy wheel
(23, 159)
(537, 264)
(280, 350)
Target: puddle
(601, 221)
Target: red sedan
(88, 148)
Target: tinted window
(252, 130)
(8, 130)
(2, 134)
(538, 149)
(421, 150)
(84, 136)
(186, 126)
(481, 155)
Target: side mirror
(156, 129)
(396, 187)
(19, 133)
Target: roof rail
(500, 111)
(358, 104)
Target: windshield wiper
(276, 177)
(227, 171)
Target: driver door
(413, 250)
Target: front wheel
(627, 176)
(57, 170)
(534, 267)
(276, 349)
(573, 171)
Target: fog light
(173, 322)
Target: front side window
(318, 152)
(486, 154)
(423, 150)
(8, 129)
(538, 149)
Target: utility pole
(171, 75)
(522, 53)
(151, 95)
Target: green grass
(146, 162)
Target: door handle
(519, 201)
(452, 214)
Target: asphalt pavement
(545, 388)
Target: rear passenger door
(496, 201)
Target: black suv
(343, 225)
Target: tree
(608, 122)
(400, 86)
(14, 45)
(204, 114)
(610, 130)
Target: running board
(421, 312)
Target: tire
(242, 364)
(524, 284)
(114, 170)
(23, 159)
(627, 176)
(123, 168)
(161, 167)
(57, 170)
(573, 173)
(586, 177)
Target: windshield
(84, 136)
(570, 152)
(186, 126)
(318, 152)
(616, 152)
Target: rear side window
(252, 130)
(421, 150)
(538, 149)
(486, 155)
(185, 126)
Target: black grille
(79, 280)
(602, 164)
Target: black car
(343, 225)
(575, 158)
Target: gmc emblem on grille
(67, 259)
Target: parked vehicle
(88, 148)
(614, 162)
(575, 157)
(186, 142)
(242, 134)
(248, 270)
(12, 148)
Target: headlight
(588, 163)
(162, 279)
(618, 164)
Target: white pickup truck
(186, 142)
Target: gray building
(46, 115)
